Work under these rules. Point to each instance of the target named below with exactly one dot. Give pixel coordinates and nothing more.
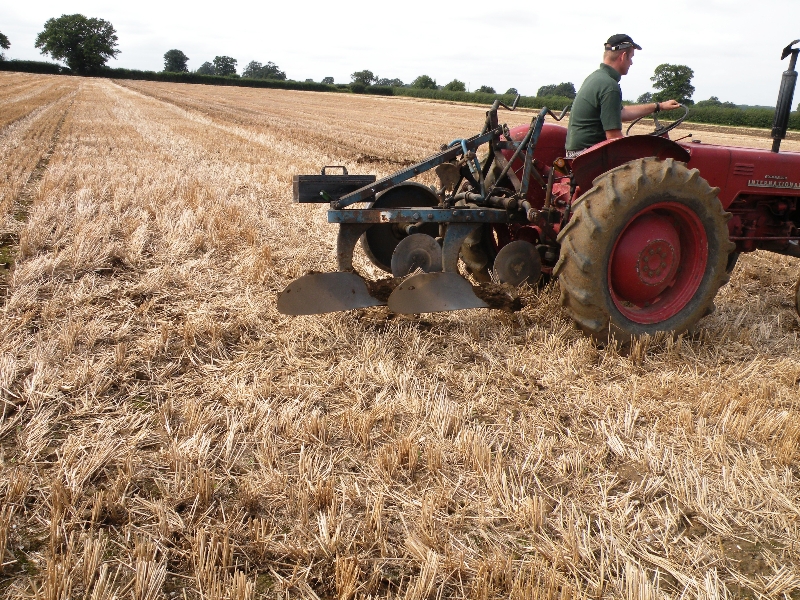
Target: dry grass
(32, 110)
(165, 432)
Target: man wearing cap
(597, 112)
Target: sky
(733, 46)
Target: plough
(640, 231)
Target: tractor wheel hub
(646, 259)
(655, 262)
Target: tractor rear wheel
(797, 298)
(646, 250)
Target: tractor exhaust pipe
(784, 106)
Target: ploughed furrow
(26, 194)
(21, 96)
(26, 146)
(371, 132)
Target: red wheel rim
(658, 262)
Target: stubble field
(165, 433)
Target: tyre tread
(593, 224)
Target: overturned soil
(383, 288)
(499, 297)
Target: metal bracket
(369, 216)
(346, 243)
(789, 50)
(368, 192)
(453, 239)
(342, 167)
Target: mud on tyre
(646, 250)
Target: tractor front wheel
(646, 250)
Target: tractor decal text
(760, 183)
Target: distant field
(165, 433)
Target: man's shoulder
(601, 78)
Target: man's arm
(634, 111)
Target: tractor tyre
(797, 298)
(733, 258)
(646, 250)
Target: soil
(500, 297)
(372, 159)
(383, 288)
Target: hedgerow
(552, 102)
(740, 117)
(215, 80)
(748, 117)
(33, 66)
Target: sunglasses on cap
(622, 46)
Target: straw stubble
(165, 431)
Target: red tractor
(641, 232)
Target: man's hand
(634, 111)
(670, 104)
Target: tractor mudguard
(612, 153)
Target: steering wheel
(660, 128)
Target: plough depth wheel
(380, 240)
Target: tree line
(86, 44)
(175, 61)
(367, 78)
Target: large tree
(486, 89)
(327, 80)
(424, 82)
(455, 86)
(175, 61)
(84, 43)
(255, 70)
(394, 82)
(673, 81)
(4, 44)
(206, 68)
(715, 102)
(565, 90)
(365, 77)
(224, 65)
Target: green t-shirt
(596, 109)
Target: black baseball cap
(621, 41)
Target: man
(597, 112)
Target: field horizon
(166, 433)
